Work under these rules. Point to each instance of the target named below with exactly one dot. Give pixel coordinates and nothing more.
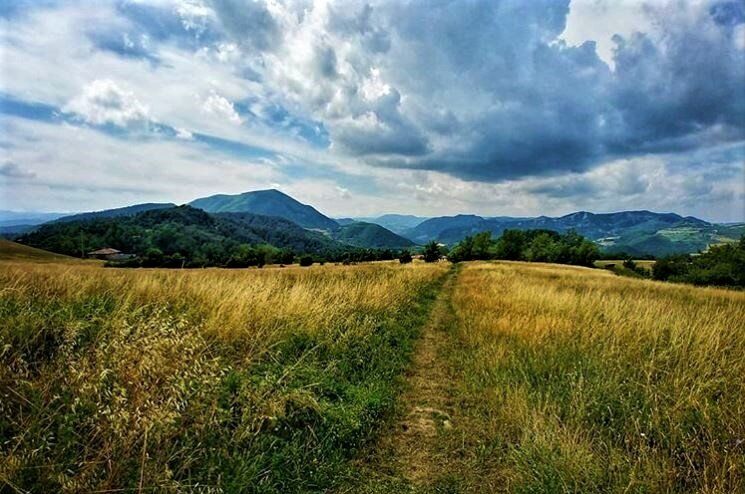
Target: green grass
(248, 381)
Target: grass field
(488, 377)
(260, 380)
(574, 380)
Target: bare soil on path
(407, 458)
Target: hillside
(115, 213)
(268, 203)
(181, 233)
(369, 235)
(434, 228)
(16, 218)
(13, 251)
(397, 223)
(633, 232)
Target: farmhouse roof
(104, 252)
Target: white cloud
(184, 134)
(103, 101)
(80, 168)
(218, 105)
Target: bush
(306, 261)
(671, 266)
(405, 257)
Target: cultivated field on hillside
(260, 380)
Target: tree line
(527, 245)
(721, 265)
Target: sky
(436, 107)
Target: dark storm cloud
(553, 108)
(486, 91)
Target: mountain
(16, 218)
(433, 228)
(632, 232)
(15, 230)
(370, 235)
(182, 231)
(269, 203)
(116, 212)
(397, 223)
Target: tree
(463, 251)
(671, 266)
(306, 261)
(510, 245)
(405, 257)
(431, 252)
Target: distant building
(109, 254)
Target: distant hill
(370, 235)
(397, 223)
(435, 228)
(633, 232)
(116, 212)
(21, 218)
(269, 203)
(15, 230)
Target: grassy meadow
(206, 380)
(379, 378)
(577, 380)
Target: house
(109, 254)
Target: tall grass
(576, 380)
(212, 380)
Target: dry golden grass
(578, 380)
(122, 378)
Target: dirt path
(406, 458)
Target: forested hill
(183, 234)
(268, 203)
(361, 234)
(116, 212)
(633, 232)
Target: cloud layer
(538, 105)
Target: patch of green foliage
(186, 237)
(722, 265)
(527, 245)
(431, 252)
(361, 234)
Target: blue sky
(426, 107)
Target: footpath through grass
(200, 381)
(570, 380)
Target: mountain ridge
(268, 202)
(635, 232)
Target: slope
(369, 235)
(269, 202)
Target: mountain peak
(267, 202)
